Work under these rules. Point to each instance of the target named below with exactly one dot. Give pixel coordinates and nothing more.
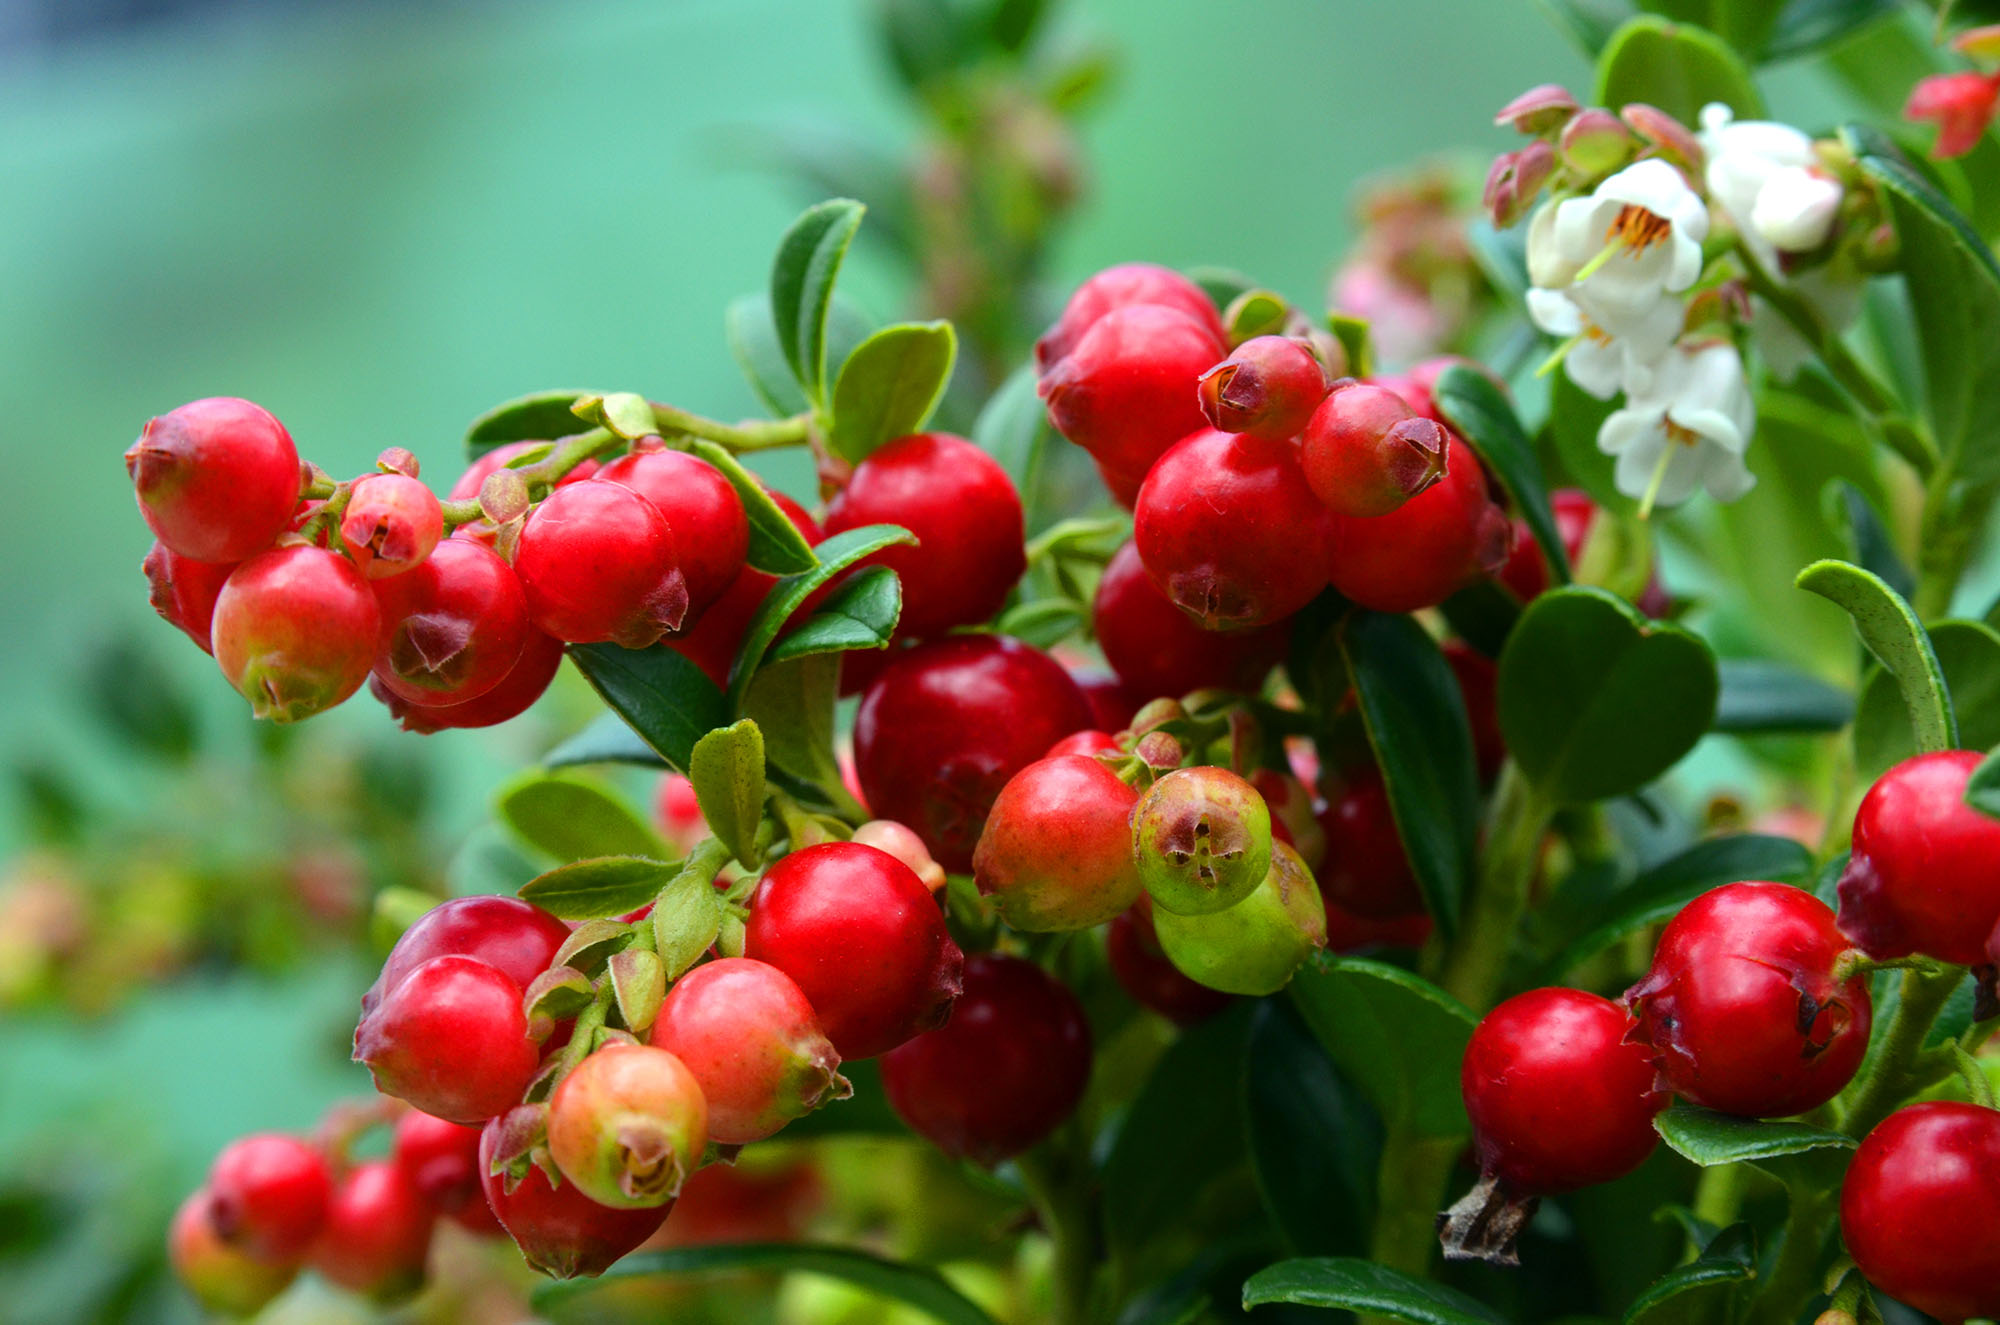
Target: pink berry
(183, 591)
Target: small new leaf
(591, 946)
(889, 386)
(599, 888)
(639, 985)
(727, 770)
(802, 278)
(686, 920)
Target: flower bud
(1596, 143)
(1540, 110)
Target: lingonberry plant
(1360, 890)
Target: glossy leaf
(1982, 790)
(1596, 701)
(835, 556)
(727, 769)
(802, 278)
(540, 416)
(1397, 1036)
(661, 695)
(889, 386)
(1968, 656)
(573, 816)
(1760, 696)
(1788, 1151)
(753, 341)
(1361, 1286)
(599, 888)
(915, 1286)
(607, 740)
(1313, 1142)
(1482, 415)
(1482, 614)
(1892, 633)
(1676, 67)
(1729, 1259)
(1415, 717)
(861, 613)
(776, 545)
(793, 702)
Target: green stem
(749, 435)
(1795, 1275)
(1515, 823)
(1410, 1190)
(541, 476)
(1718, 1197)
(1058, 1188)
(588, 1023)
(1952, 518)
(1901, 1067)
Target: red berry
(1961, 104)
(1741, 1006)
(269, 1196)
(1007, 1069)
(1527, 570)
(862, 938)
(711, 641)
(1367, 871)
(1056, 853)
(1229, 531)
(677, 812)
(1559, 1099)
(451, 1039)
(453, 627)
(378, 1233)
(726, 1203)
(1111, 704)
(541, 657)
(1925, 873)
(441, 1159)
(1092, 743)
(295, 631)
(221, 1278)
(1269, 386)
(515, 937)
(1428, 548)
(967, 518)
(1920, 1209)
(1294, 814)
(628, 1125)
(183, 591)
(391, 523)
(468, 485)
(217, 478)
(1159, 653)
(1127, 391)
(1120, 287)
(1124, 488)
(750, 1037)
(711, 531)
(562, 1232)
(1144, 972)
(598, 563)
(944, 726)
(1478, 682)
(1366, 453)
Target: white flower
(1612, 353)
(1634, 239)
(1689, 431)
(1795, 209)
(1764, 177)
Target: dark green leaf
(1482, 614)
(1806, 25)
(861, 613)
(1788, 1151)
(607, 740)
(727, 769)
(1982, 792)
(776, 545)
(1968, 657)
(1220, 284)
(1892, 633)
(1313, 1143)
(541, 416)
(1013, 425)
(1868, 539)
(1356, 1285)
(1480, 411)
(915, 1286)
(686, 918)
(140, 700)
(661, 695)
(835, 555)
(802, 278)
(1415, 717)
(600, 888)
(1729, 1259)
(1596, 701)
(1676, 67)
(572, 816)
(889, 385)
(1395, 1035)
(793, 703)
(1760, 696)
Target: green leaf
(1481, 413)
(1415, 716)
(1044, 621)
(1663, 890)
(1357, 342)
(1868, 540)
(1594, 700)
(1891, 631)
(1013, 426)
(541, 416)
(1575, 416)
(1396, 1035)
(789, 594)
(1982, 790)
(140, 700)
(1759, 696)
(687, 916)
(661, 695)
(1789, 1152)
(776, 545)
(572, 816)
(1483, 615)
(1314, 1144)
(1589, 24)
(1806, 25)
(1361, 1286)
(1729, 1259)
(915, 1286)
(1968, 657)
(1953, 283)
(861, 613)
(753, 340)
(889, 385)
(1221, 284)
(607, 740)
(598, 888)
(727, 769)
(802, 278)
(1676, 67)
(793, 704)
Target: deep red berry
(221, 1278)
(711, 530)
(1092, 743)
(1158, 652)
(1127, 391)
(1558, 1098)
(1741, 1006)
(752, 1040)
(862, 938)
(391, 523)
(1111, 701)
(441, 1159)
(1269, 385)
(183, 591)
(1478, 682)
(295, 630)
(269, 1195)
(1428, 548)
(1920, 1209)
(598, 563)
(515, 937)
(1925, 873)
(468, 485)
(1201, 839)
(1294, 814)
(1007, 1069)
(1143, 971)
(451, 1039)
(1367, 871)
(677, 812)
(1527, 570)
(711, 640)
(1254, 946)
(1056, 853)
(378, 1233)
(944, 726)
(1347, 932)
(1229, 531)
(1366, 453)
(1120, 287)
(453, 627)
(525, 682)
(1124, 488)
(628, 1125)
(562, 1232)
(217, 479)
(726, 1203)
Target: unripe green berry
(1254, 946)
(1202, 840)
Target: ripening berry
(1428, 548)
(391, 523)
(1158, 651)
(441, 1159)
(1920, 1209)
(1140, 964)
(1268, 386)
(1255, 945)
(526, 681)
(1201, 838)
(295, 630)
(561, 1231)
(1056, 852)
(183, 591)
(1120, 287)
(217, 479)
(269, 1195)
(453, 627)
(628, 1125)
(711, 530)
(221, 1278)
(1127, 391)
(900, 841)
(1925, 873)
(1365, 452)
(598, 563)
(378, 1233)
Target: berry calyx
(1119, 287)
(1143, 971)
(1268, 386)
(221, 1278)
(217, 479)
(391, 523)
(1365, 452)
(378, 1233)
(561, 1231)
(295, 630)
(1056, 852)
(1925, 873)
(453, 627)
(628, 1125)
(451, 1039)
(525, 682)
(1127, 391)
(183, 591)
(1201, 838)
(1157, 651)
(268, 1195)
(1255, 945)
(441, 1159)
(711, 529)
(1008, 1068)
(598, 563)
(1920, 1206)
(1428, 548)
